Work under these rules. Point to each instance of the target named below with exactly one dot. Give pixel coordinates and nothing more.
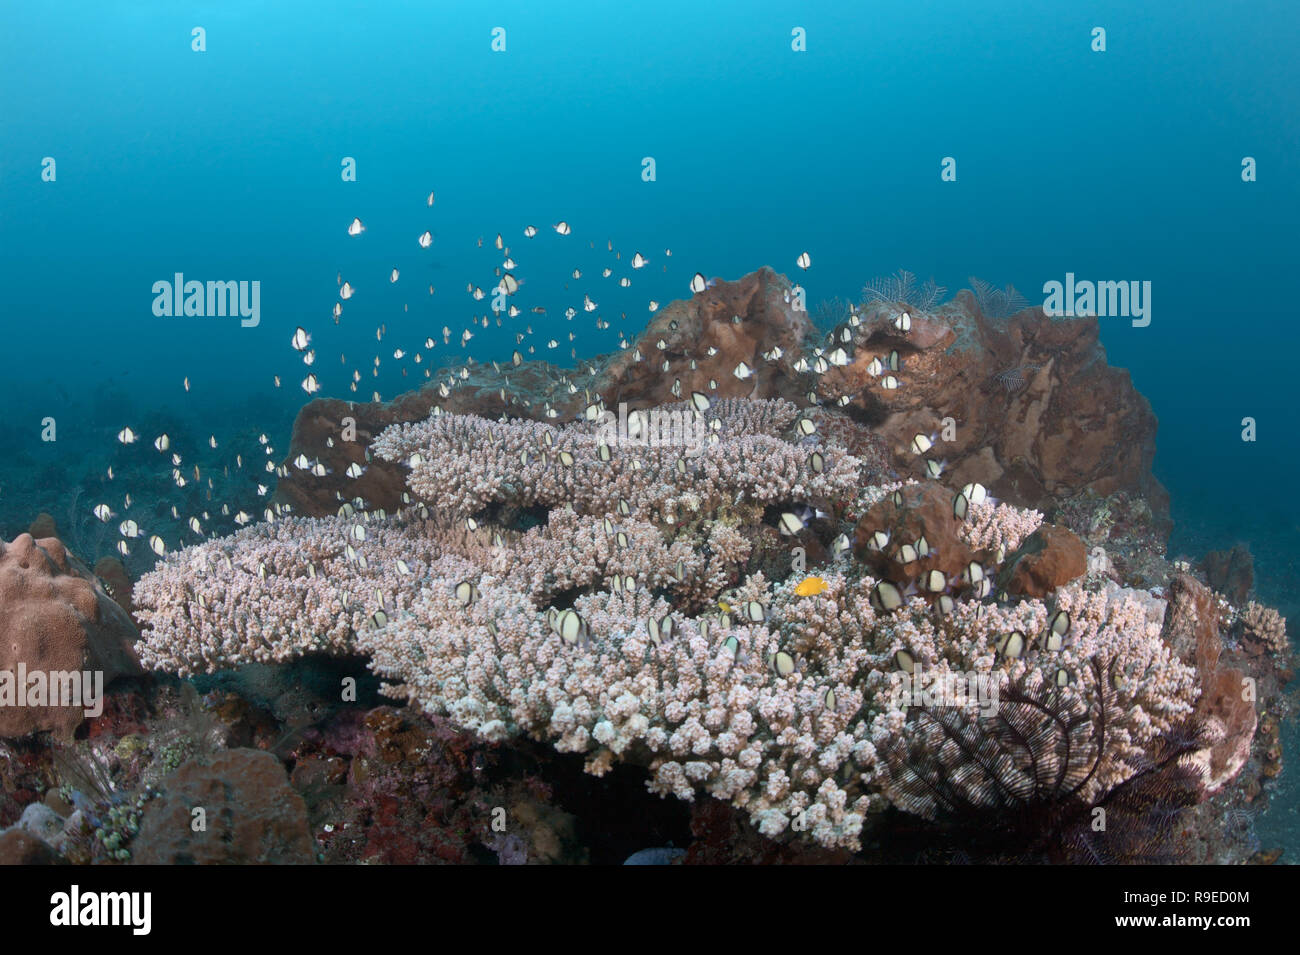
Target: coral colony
(624, 628)
(761, 570)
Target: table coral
(631, 622)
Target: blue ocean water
(226, 164)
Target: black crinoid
(1015, 377)
(1026, 783)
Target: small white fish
(743, 371)
(103, 512)
(355, 227)
(157, 546)
(803, 261)
(162, 443)
(698, 283)
(301, 339)
(310, 385)
(562, 228)
(426, 240)
(127, 436)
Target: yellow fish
(810, 587)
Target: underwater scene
(675, 434)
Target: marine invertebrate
(1034, 778)
(991, 526)
(994, 302)
(1266, 627)
(627, 623)
(58, 624)
(1013, 379)
(901, 288)
(830, 312)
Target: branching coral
(631, 624)
(991, 526)
(1267, 627)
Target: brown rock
(253, 817)
(1192, 631)
(1048, 558)
(1223, 697)
(55, 617)
(926, 511)
(690, 328)
(21, 848)
(118, 582)
(1039, 414)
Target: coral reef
(722, 596)
(1265, 627)
(1074, 425)
(603, 597)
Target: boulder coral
(56, 621)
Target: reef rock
(1036, 414)
(252, 815)
(115, 581)
(925, 512)
(1049, 558)
(18, 847)
(56, 617)
(1192, 629)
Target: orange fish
(810, 587)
